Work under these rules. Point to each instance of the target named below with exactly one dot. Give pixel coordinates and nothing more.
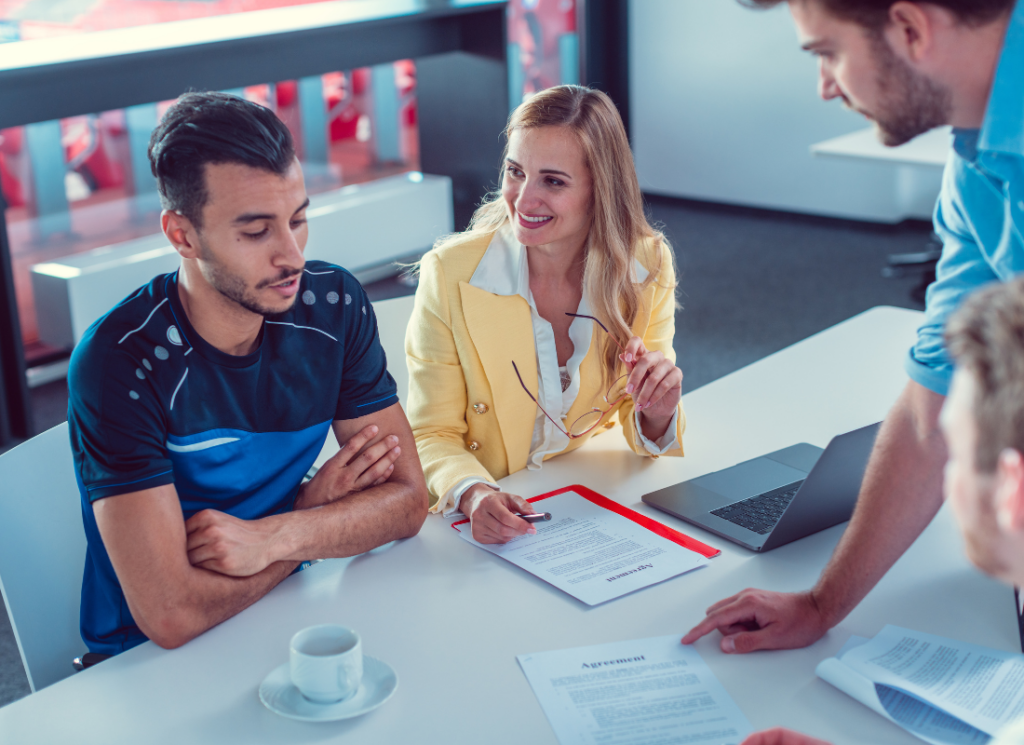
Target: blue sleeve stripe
(370, 403)
(128, 483)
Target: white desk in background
(919, 164)
(451, 619)
(930, 149)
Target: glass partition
(544, 47)
(82, 183)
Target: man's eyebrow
(543, 170)
(249, 217)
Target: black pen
(537, 517)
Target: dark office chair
(919, 263)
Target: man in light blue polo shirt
(909, 67)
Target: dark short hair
(986, 338)
(874, 14)
(202, 128)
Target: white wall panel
(362, 227)
(724, 108)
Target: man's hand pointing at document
(756, 619)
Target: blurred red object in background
(11, 142)
(287, 92)
(85, 152)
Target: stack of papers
(628, 693)
(941, 690)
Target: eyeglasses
(588, 421)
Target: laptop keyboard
(761, 513)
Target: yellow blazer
(469, 415)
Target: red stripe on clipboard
(652, 525)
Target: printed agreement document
(644, 692)
(941, 690)
(592, 553)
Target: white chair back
(392, 319)
(42, 554)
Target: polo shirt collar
(503, 269)
(1003, 128)
(965, 143)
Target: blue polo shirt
(980, 212)
(152, 403)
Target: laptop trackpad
(750, 478)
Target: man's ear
(181, 233)
(911, 30)
(1009, 491)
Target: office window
(83, 183)
(37, 19)
(544, 46)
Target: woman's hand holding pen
(655, 384)
(494, 514)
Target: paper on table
(591, 553)
(941, 690)
(633, 692)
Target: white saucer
(280, 696)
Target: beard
(235, 289)
(910, 104)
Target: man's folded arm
(180, 579)
(171, 601)
(366, 519)
(349, 524)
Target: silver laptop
(778, 498)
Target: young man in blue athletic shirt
(201, 400)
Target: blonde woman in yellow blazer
(553, 313)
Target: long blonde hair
(619, 229)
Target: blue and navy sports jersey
(152, 403)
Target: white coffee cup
(326, 663)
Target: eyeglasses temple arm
(591, 318)
(560, 427)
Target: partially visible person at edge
(199, 402)
(551, 314)
(983, 424)
(909, 67)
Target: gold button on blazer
(460, 344)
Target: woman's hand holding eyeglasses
(655, 384)
(495, 515)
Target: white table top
(930, 149)
(451, 618)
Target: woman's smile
(532, 222)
